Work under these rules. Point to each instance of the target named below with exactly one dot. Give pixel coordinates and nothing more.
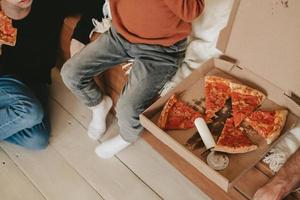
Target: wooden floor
(70, 170)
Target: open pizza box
(261, 48)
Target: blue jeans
(153, 66)
(22, 117)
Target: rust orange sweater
(162, 22)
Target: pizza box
(261, 48)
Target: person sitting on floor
(153, 33)
(25, 67)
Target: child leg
(152, 68)
(79, 71)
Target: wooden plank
(174, 184)
(51, 174)
(109, 177)
(210, 188)
(236, 195)
(251, 182)
(264, 168)
(14, 185)
(158, 173)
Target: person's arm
(284, 182)
(187, 10)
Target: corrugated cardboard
(255, 62)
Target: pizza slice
(8, 34)
(177, 115)
(267, 124)
(233, 139)
(217, 91)
(244, 101)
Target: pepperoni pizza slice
(217, 91)
(8, 34)
(233, 139)
(244, 101)
(267, 124)
(177, 115)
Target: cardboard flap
(265, 39)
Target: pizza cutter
(215, 160)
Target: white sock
(111, 147)
(97, 126)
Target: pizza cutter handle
(205, 133)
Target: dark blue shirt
(35, 52)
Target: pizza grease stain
(215, 126)
(195, 142)
(279, 4)
(284, 3)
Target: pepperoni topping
(266, 117)
(232, 136)
(216, 95)
(181, 116)
(263, 122)
(243, 105)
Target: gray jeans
(153, 66)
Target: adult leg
(154, 65)
(35, 138)
(21, 115)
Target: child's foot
(97, 126)
(111, 147)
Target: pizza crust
(235, 150)
(277, 125)
(234, 140)
(211, 79)
(246, 90)
(243, 92)
(210, 112)
(162, 121)
(280, 119)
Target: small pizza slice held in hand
(233, 139)
(244, 101)
(8, 34)
(267, 124)
(176, 114)
(217, 91)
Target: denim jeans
(22, 115)
(153, 66)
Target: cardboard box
(263, 47)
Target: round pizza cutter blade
(217, 161)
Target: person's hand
(75, 47)
(274, 190)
